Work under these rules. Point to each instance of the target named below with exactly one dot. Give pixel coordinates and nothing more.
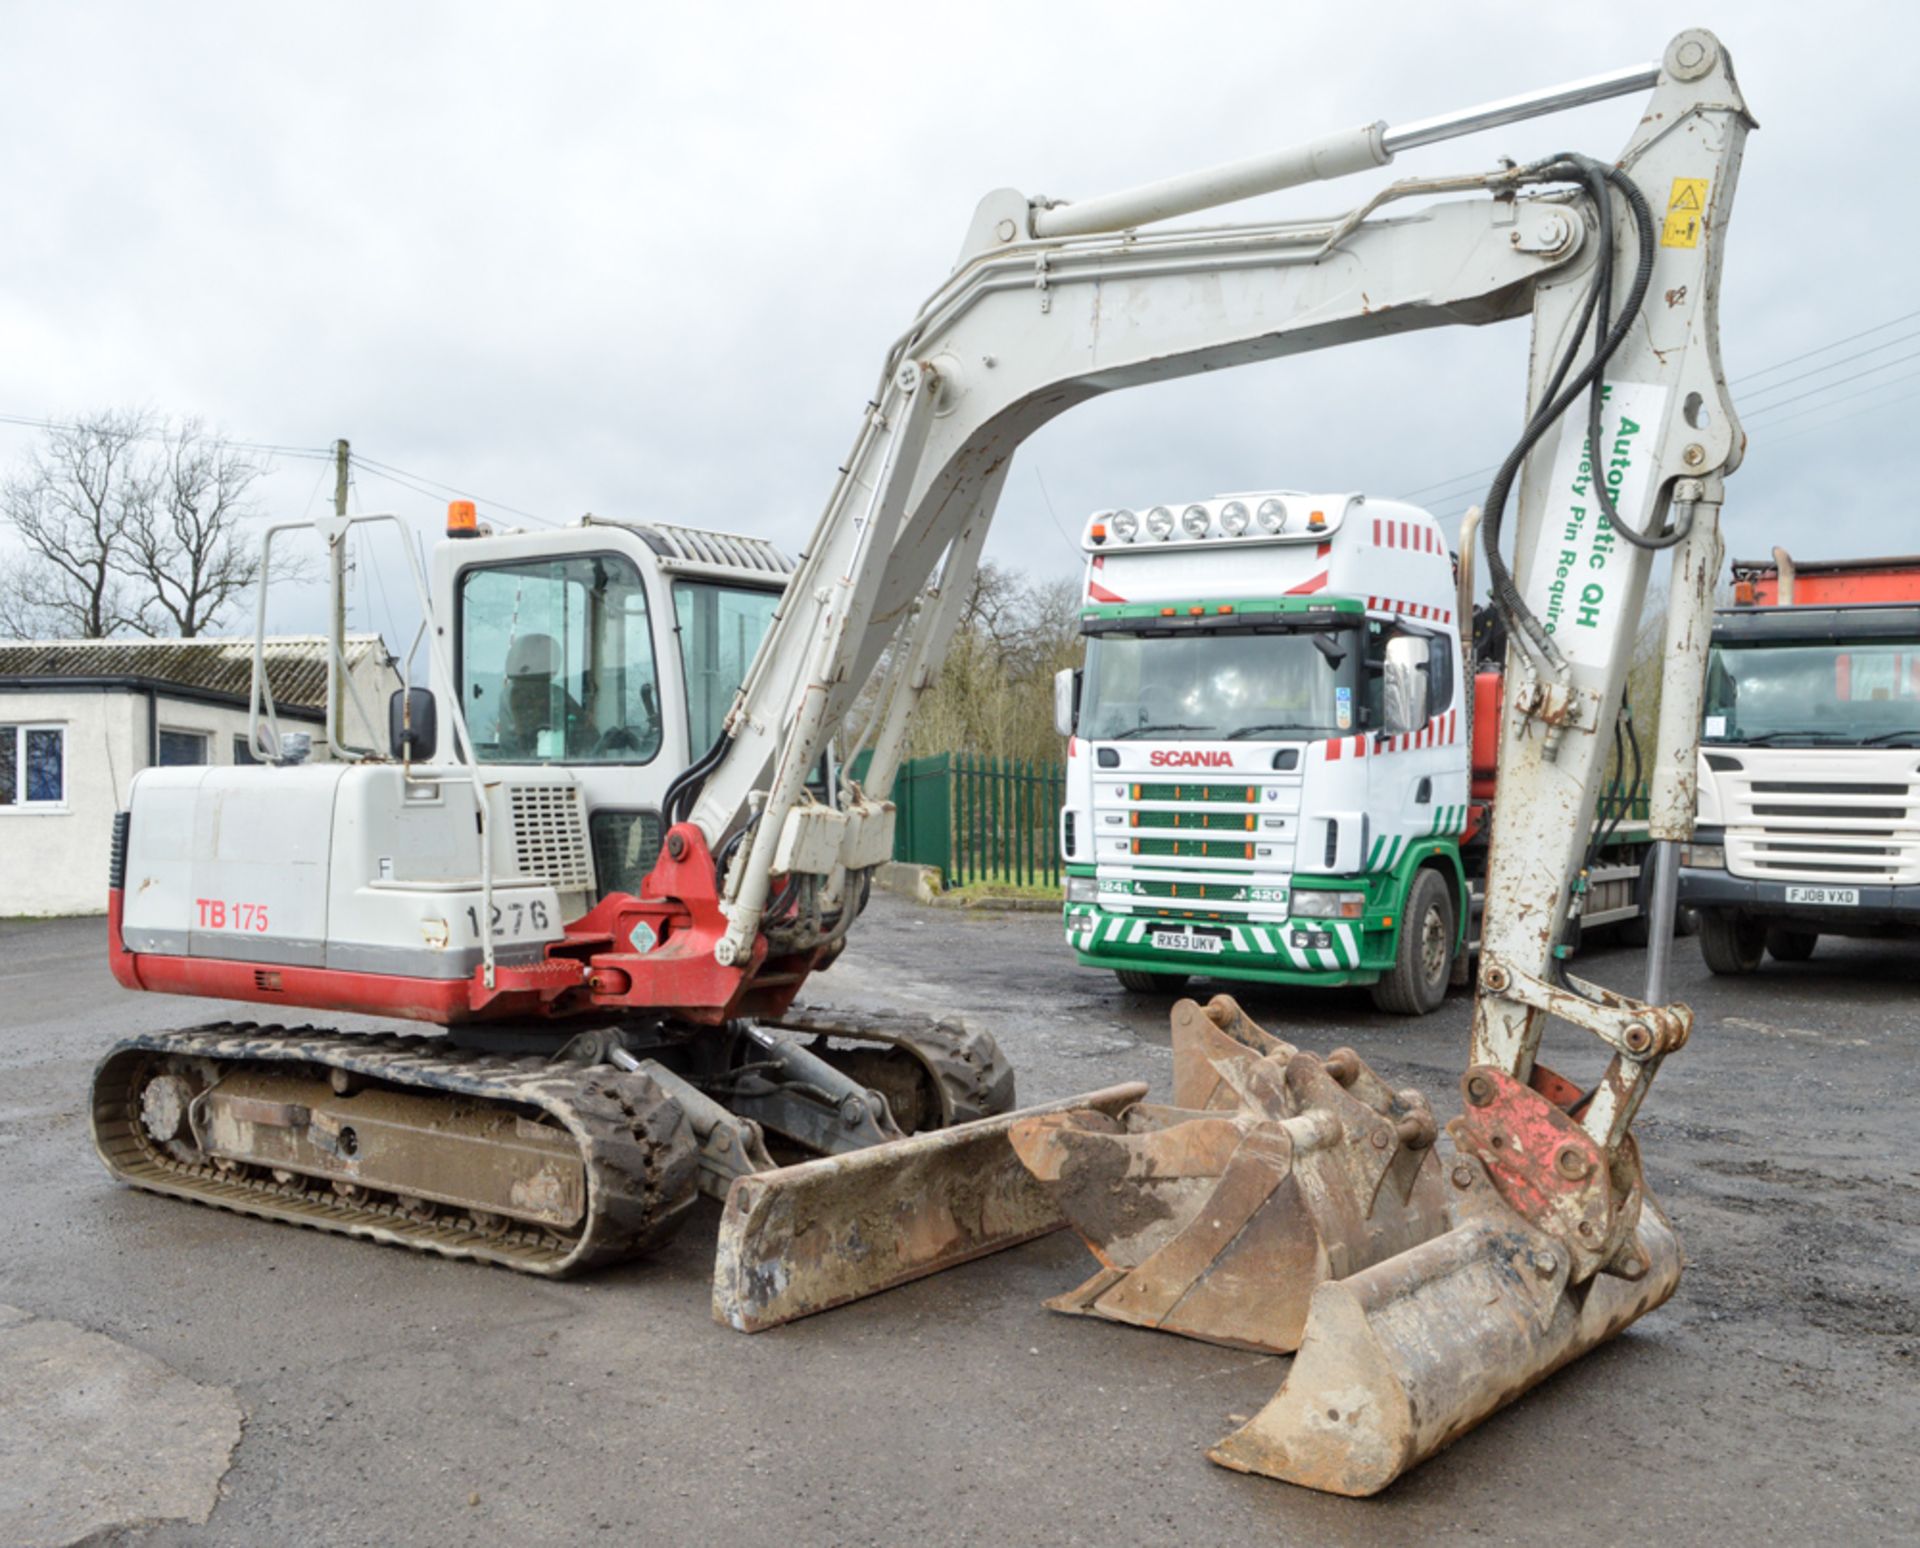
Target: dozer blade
(1405, 1357)
(803, 1238)
(1218, 1224)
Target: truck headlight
(1314, 904)
(1160, 522)
(1124, 525)
(1233, 518)
(1704, 857)
(1082, 889)
(1196, 520)
(1272, 516)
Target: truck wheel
(1784, 945)
(1136, 982)
(1424, 958)
(1731, 944)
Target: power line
(1053, 514)
(1456, 479)
(1825, 424)
(1781, 365)
(1816, 408)
(436, 490)
(270, 447)
(1778, 365)
(401, 476)
(1905, 338)
(1828, 387)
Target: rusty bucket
(1219, 1217)
(1404, 1357)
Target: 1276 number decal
(512, 919)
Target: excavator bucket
(1219, 1217)
(1404, 1357)
(803, 1238)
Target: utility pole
(337, 579)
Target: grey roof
(702, 551)
(296, 664)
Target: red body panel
(1814, 585)
(594, 969)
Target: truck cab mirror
(1066, 699)
(1405, 684)
(411, 725)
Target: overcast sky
(645, 260)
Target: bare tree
(995, 691)
(128, 526)
(183, 551)
(70, 507)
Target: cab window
(720, 632)
(557, 662)
(1440, 683)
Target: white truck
(1809, 816)
(1273, 772)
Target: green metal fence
(981, 819)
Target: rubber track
(640, 1156)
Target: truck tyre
(1423, 960)
(1135, 982)
(1784, 945)
(1731, 944)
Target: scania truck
(1280, 767)
(1809, 814)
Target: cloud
(646, 260)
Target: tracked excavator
(617, 967)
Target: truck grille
(1191, 848)
(550, 836)
(1804, 823)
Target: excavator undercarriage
(556, 1164)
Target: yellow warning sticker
(1686, 209)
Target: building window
(182, 749)
(243, 751)
(33, 766)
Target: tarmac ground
(393, 1398)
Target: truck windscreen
(1818, 693)
(1220, 685)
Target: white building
(78, 718)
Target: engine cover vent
(549, 837)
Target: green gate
(980, 819)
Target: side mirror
(1404, 684)
(411, 725)
(1066, 699)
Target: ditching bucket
(1217, 1219)
(1403, 1358)
(803, 1238)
